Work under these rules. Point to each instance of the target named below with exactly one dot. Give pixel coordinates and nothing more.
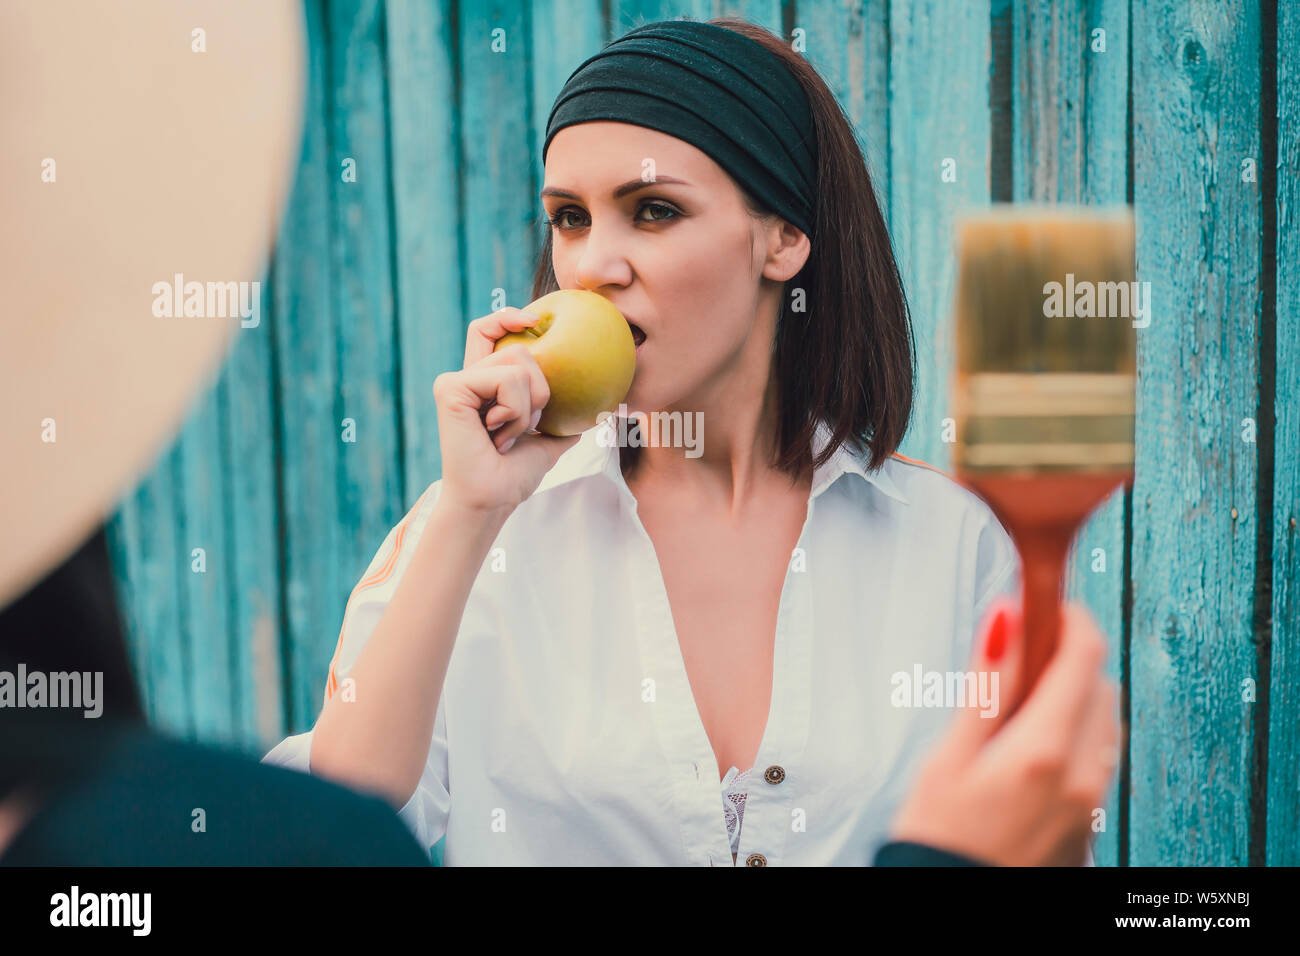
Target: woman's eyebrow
(628, 187)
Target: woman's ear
(787, 251)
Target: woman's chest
(723, 583)
(722, 572)
(724, 587)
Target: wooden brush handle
(1042, 513)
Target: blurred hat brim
(131, 156)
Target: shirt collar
(845, 462)
(597, 453)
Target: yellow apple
(584, 347)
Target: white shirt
(567, 732)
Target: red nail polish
(997, 641)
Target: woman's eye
(662, 213)
(672, 213)
(558, 219)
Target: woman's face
(683, 261)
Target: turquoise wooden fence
(416, 201)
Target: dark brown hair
(849, 358)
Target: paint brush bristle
(1046, 307)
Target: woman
(647, 657)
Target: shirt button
(755, 859)
(774, 774)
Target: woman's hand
(1022, 790)
(492, 457)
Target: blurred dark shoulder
(108, 790)
(149, 800)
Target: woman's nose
(603, 260)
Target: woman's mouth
(638, 336)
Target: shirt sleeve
(425, 813)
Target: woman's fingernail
(506, 447)
(537, 417)
(997, 640)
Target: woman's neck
(734, 462)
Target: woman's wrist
(472, 514)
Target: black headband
(718, 90)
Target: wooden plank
(252, 535)
(564, 33)
(1195, 117)
(1283, 835)
(625, 15)
(939, 69)
(766, 13)
(202, 560)
(144, 541)
(370, 475)
(849, 47)
(1070, 101)
(1070, 124)
(423, 121)
(315, 576)
(499, 180)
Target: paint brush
(1044, 384)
